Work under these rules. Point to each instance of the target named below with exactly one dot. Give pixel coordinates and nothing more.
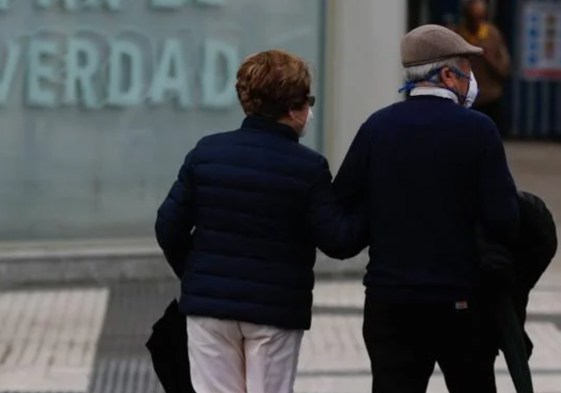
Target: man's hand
(497, 267)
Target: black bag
(537, 240)
(533, 252)
(531, 256)
(168, 348)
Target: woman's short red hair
(272, 83)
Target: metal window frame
(322, 88)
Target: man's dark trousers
(405, 342)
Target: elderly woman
(241, 225)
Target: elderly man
(431, 170)
(491, 69)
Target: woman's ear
(290, 114)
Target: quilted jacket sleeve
(339, 231)
(175, 220)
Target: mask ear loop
(297, 120)
(462, 97)
(459, 73)
(407, 87)
(410, 85)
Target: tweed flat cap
(430, 43)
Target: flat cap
(430, 43)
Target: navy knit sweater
(431, 170)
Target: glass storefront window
(101, 100)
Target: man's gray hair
(425, 72)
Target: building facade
(101, 99)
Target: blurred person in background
(491, 69)
(430, 169)
(241, 225)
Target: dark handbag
(537, 240)
(531, 255)
(168, 348)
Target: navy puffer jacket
(259, 204)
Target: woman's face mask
(306, 124)
(309, 119)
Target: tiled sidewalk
(91, 340)
(334, 359)
(48, 338)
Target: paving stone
(547, 302)
(126, 375)
(332, 360)
(48, 338)
(542, 384)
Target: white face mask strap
(296, 119)
(309, 117)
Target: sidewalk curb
(102, 263)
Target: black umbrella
(513, 344)
(533, 253)
(168, 348)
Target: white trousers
(239, 357)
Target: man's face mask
(473, 91)
(466, 100)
